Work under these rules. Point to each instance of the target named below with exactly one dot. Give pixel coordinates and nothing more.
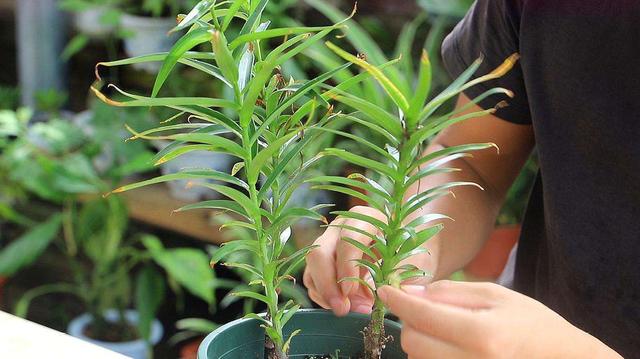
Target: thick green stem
(273, 346)
(375, 337)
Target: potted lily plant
(266, 126)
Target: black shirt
(578, 85)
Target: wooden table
(154, 205)
(22, 339)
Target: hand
(482, 320)
(333, 260)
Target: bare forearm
(473, 210)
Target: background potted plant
(34, 237)
(61, 167)
(147, 23)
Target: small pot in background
(492, 258)
(135, 349)
(90, 22)
(190, 349)
(148, 35)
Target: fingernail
(417, 290)
(339, 306)
(363, 309)
(346, 287)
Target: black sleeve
(490, 30)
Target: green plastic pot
(322, 333)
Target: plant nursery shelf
(154, 205)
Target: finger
(318, 299)
(327, 243)
(347, 253)
(420, 346)
(464, 294)
(442, 321)
(361, 299)
(321, 269)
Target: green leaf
(150, 291)
(352, 193)
(254, 18)
(361, 247)
(261, 159)
(231, 13)
(450, 150)
(171, 102)
(232, 246)
(217, 143)
(388, 85)
(302, 91)
(216, 204)
(186, 43)
(359, 281)
(21, 308)
(187, 266)
(185, 175)
(360, 161)
(422, 91)
(224, 58)
(233, 194)
(75, 45)
(378, 224)
(366, 186)
(194, 15)
(252, 295)
(27, 248)
(374, 113)
(269, 34)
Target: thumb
(463, 294)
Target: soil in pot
(112, 332)
(322, 334)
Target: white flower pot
(89, 22)
(135, 349)
(149, 35)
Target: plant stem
(374, 334)
(273, 346)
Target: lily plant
(266, 124)
(398, 165)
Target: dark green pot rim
(202, 350)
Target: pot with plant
(101, 253)
(146, 26)
(271, 121)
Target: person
(577, 276)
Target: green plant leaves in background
(187, 266)
(27, 248)
(150, 291)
